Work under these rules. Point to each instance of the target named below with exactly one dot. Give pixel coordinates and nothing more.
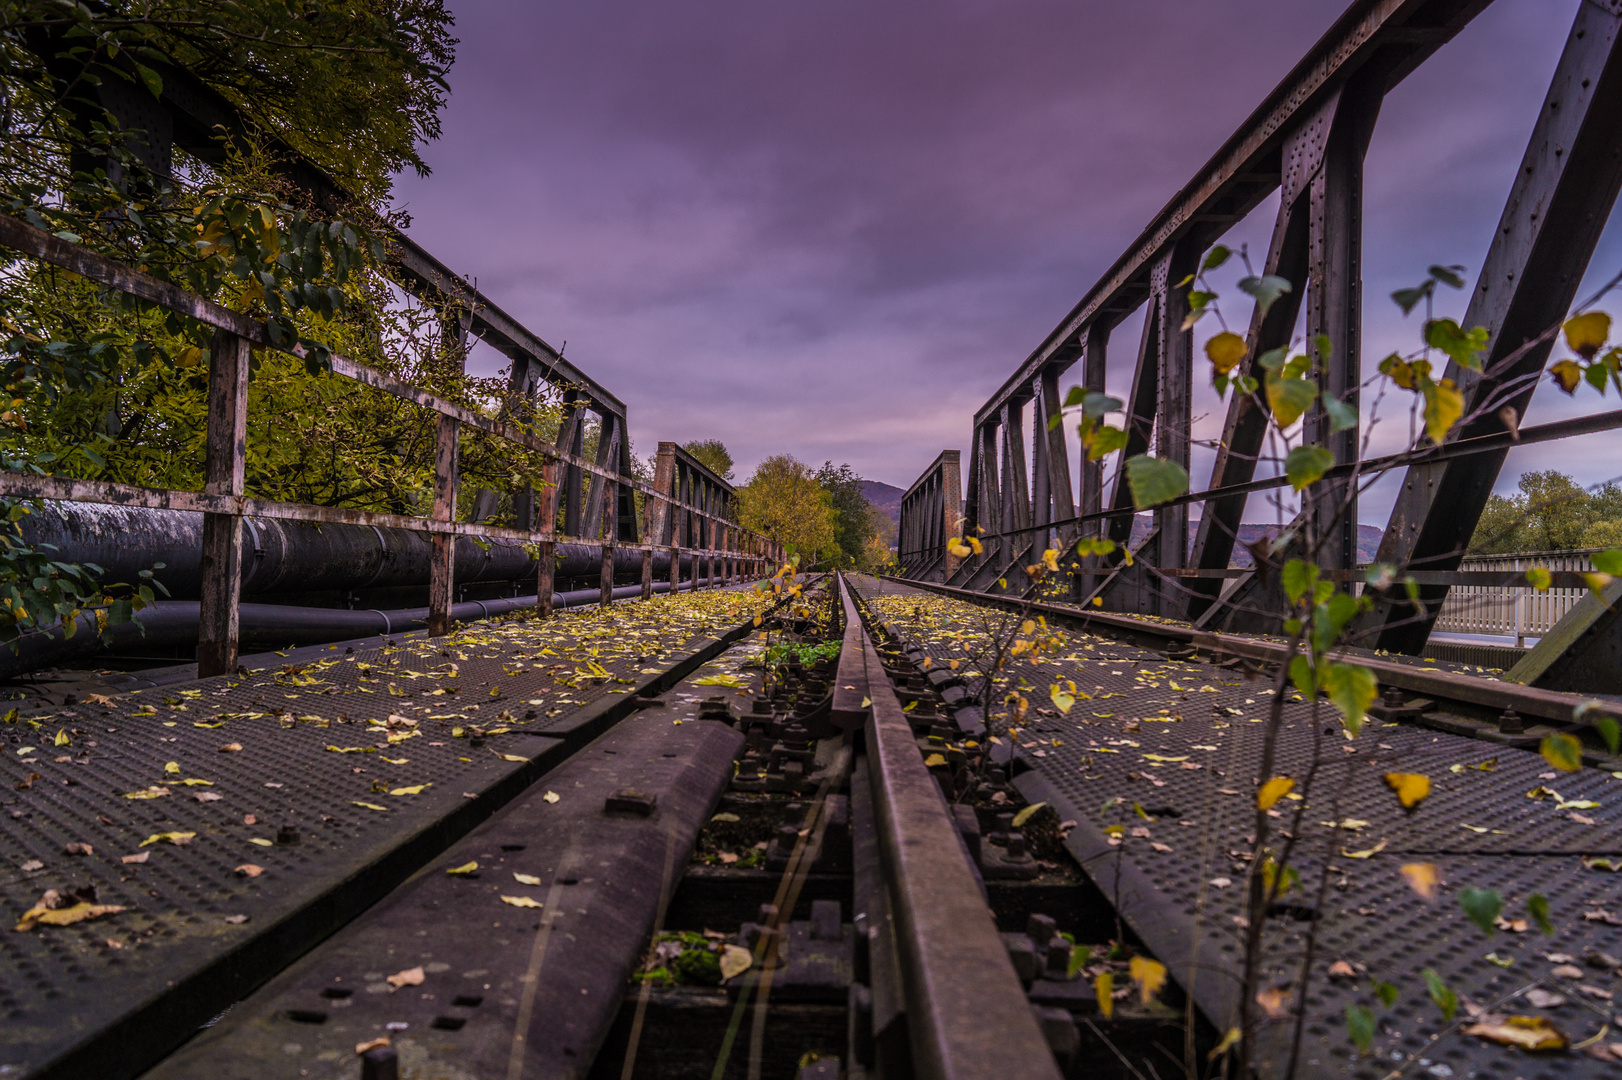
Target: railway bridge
(1073, 791)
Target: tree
(1549, 512)
(784, 501)
(853, 519)
(105, 386)
(713, 455)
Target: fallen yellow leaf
(1272, 791)
(521, 901)
(465, 868)
(1150, 975)
(1422, 878)
(1411, 788)
(526, 879)
(1526, 1032)
(40, 915)
(179, 839)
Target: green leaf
(1607, 728)
(1352, 689)
(1609, 561)
(1025, 815)
(1096, 404)
(1215, 258)
(1445, 998)
(1386, 992)
(1482, 906)
(1273, 359)
(1323, 347)
(1360, 1026)
(1155, 480)
(1299, 576)
(1562, 751)
(1073, 397)
(1301, 676)
(1080, 957)
(153, 81)
(1459, 344)
(1289, 398)
(1408, 299)
(1538, 577)
(1105, 440)
(1537, 906)
(1265, 289)
(1306, 465)
(1448, 275)
(1342, 416)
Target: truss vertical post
(1175, 415)
(225, 473)
(1561, 199)
(447, 438)
(1141, 403)
(1335, 309)
(546, 550)
(1095, 372)
(571, 440)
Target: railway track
(736, 862)
(735, 849)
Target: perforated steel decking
(103, 997)
(1143, 705)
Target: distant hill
(886, 497)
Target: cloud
(832, 228)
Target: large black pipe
(294, 556)
(172, 623)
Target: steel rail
(1444, 687)
(967, 1015)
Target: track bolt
(380, 1063)
(1509, 722)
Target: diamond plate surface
(364, 810)
(1143, 705)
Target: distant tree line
(1550, 512)
(820, 513)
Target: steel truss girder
(1561, 199)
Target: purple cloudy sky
(832, 228)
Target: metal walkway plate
(370, 799)
(1181, 739)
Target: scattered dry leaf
(1526, 1032)
(139, 857)
(1275, 1002)
(465, 868)
(551, 796)
(521, 901)
(179, 839)
(371, 1044)
(236, 920)
(1422, 878)
(735, 960)
(1411, 788)
(248, 869)
(1544, 999)
(230, 748)
(526, 879)
(408, 977)
(1340, 969)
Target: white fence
(1523, 613)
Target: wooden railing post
(675, 569)
(546, 550)
(225, 473)
(647, 573)
(442, 569)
